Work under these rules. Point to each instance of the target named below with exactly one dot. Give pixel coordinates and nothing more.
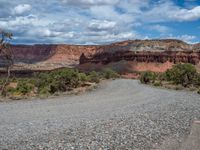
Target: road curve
(120, 114)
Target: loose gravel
(120, 114)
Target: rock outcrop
(144, 56)
(152, 55)
(50, 53)
(47, 57)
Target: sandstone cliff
(47, 57)
(144, 56)
(139, 55)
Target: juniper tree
(7, 56)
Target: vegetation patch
(178, 77)
(63, 80)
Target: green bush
(45, 91)
(11, 90)
(94, 77)
(60, 80)
(109, 74)
(57, 86)
(184, 74)
(148, 77)
(24, 87)
(198, 91)
(157, 83)
(57, 81)
(196, 80)
(66, 79)
(1, 82)
(83, 77)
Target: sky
(89, 22)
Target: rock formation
(144, 56)
(47, 57)
(152, 55)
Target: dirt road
(120, 114)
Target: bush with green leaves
(148, 77)
(198, 91)
(60, 80)
(24, 87)
(57, 81)
(157, 83)
(196, 80)
(184, 74)
(109, 74)
(94, 77)
(45, 91)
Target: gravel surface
(120, 114)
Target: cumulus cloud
(101, 25)
(94, 21)
(168, 11)
(89, 3)
(22, 8)
(186, 14)
(185, 37)
(159, 28)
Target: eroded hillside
(150, 52)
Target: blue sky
(99, 21)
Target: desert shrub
(11, 90)
(183, 74)
(148, 77)
(24, 87)
(1, 82)
(83, 77)
(45, 91)
(196, 80)
(94, 77)
(198, 91)
(60, 80)
(57, 85)
(44, 79)
(109, 74)
(57, 81)
(157, 83)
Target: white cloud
(106, 37)
(168, 11)
(94, 21)
(188, 38)
(185, 37)
(21, 8)
(160, 28)
(23, 21)
(101, 25)
(89, 3)
(186, 14)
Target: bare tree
(7, 55)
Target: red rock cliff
(144, 56)
(138, 55)
(54, 56)
(50, 53)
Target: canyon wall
(144, 56)
(47, 57)
(140, 60)
(151, 52)
(138, 55)
(51, 53)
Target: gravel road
(120, 114)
